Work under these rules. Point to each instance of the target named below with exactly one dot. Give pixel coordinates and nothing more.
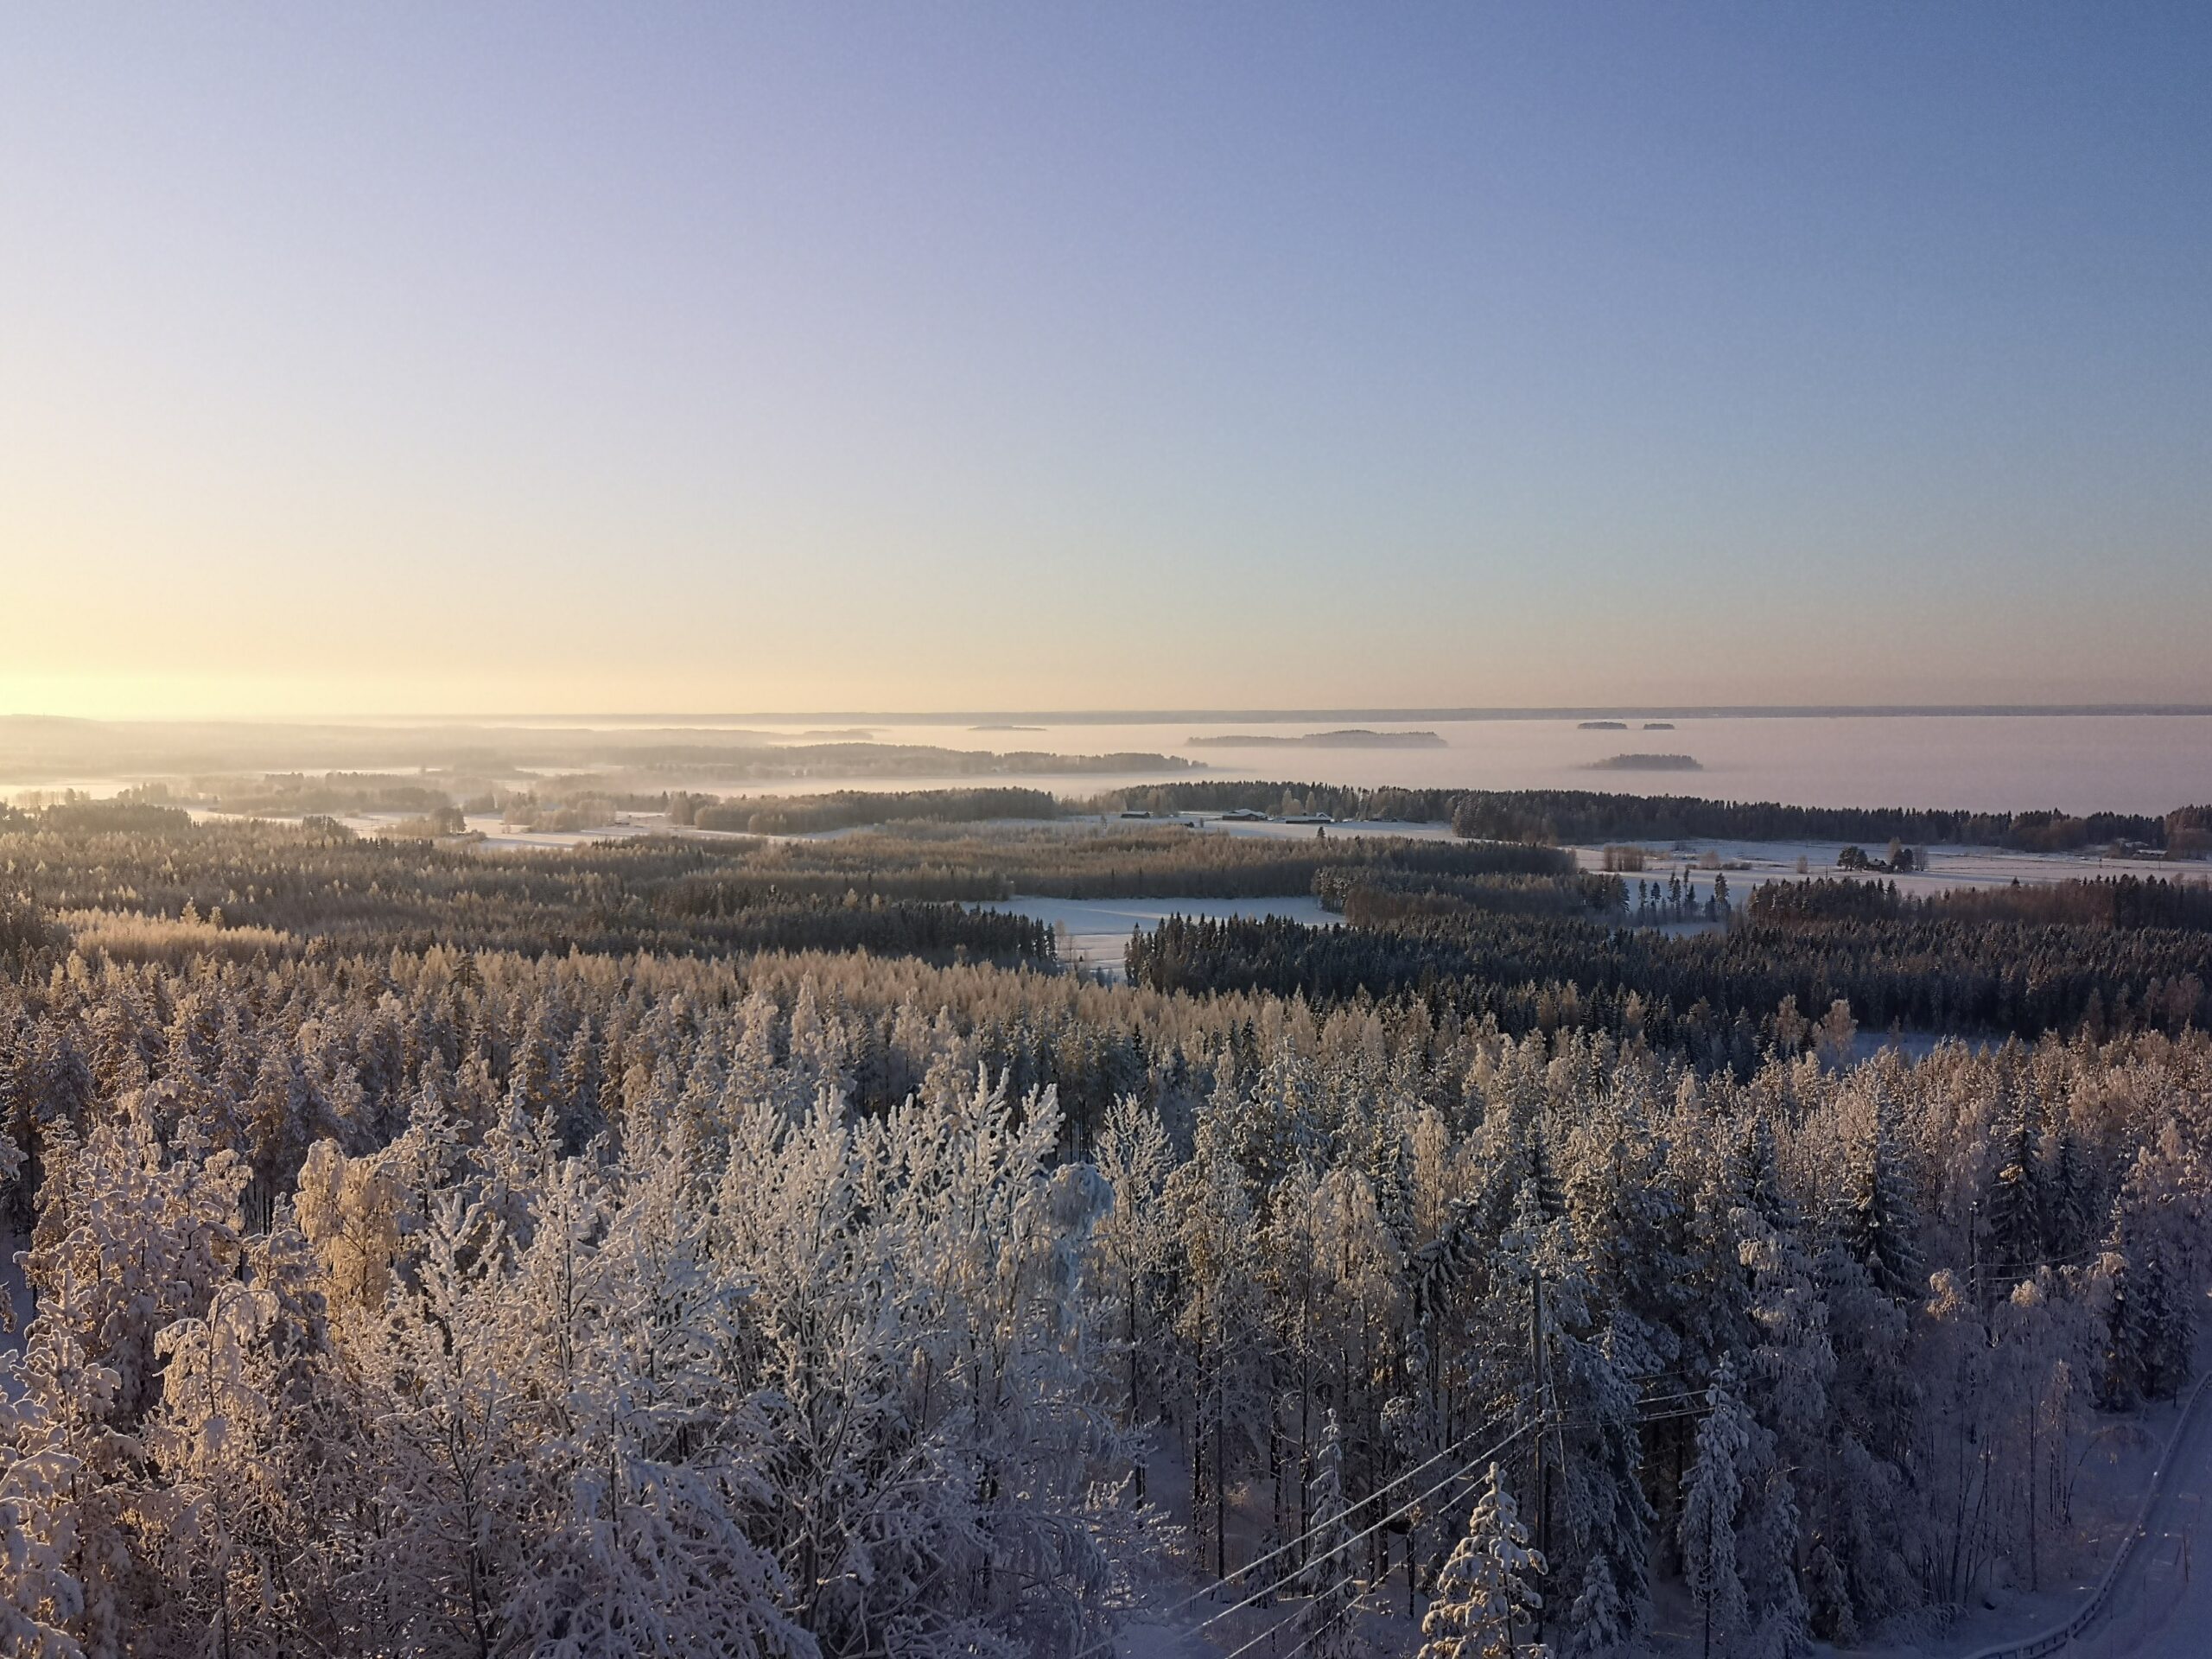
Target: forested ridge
(445, 1252)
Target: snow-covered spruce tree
(1712, 1493)
(1878, 1225)
(2155, 1250)
(1484, 1599)
(1593, 1454)
(2012, 1209)
(1860, 1515)
(1787, 1378)
(1326, 1622)
(1601, 1624)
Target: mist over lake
(2077, 763)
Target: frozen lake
(2077, 763)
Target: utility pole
(1974, 1252)
(1540, 1374)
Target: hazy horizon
(538, 359)
(1107, 714)
(1467, 905)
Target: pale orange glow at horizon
(377, 365)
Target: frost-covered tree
(254, 1440)
(1878, 1225)
(40, 1597)
(1712, 1498)
(1325, 1623)
(1483, 1598)
(1135, 1240)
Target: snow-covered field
(1094, 931)
(1748, 864)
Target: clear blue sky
(922, 356)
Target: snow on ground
(21, 1304)
(1272, 831)
(2161, 1608)
(1748, 864)
(1094, 933)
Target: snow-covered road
(2161, 1604)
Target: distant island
(1345, 739)
(1658, 725)
(1605, 725)
(1006, 729)
(1647, 763)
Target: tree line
(455, 1302)
(1572, 817)
(2123, 901)
(1532, 969)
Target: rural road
(2161, 1606)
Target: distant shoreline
(1312, 716)
(1645, 763)
(1345, 739)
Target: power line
(1460, 1473)
(1277, 1629)
(1324, 1628)
(1350, 1508)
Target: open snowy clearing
(1746, 863)
(1750, 863)
(1093, 932)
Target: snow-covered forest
(395, 1297)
